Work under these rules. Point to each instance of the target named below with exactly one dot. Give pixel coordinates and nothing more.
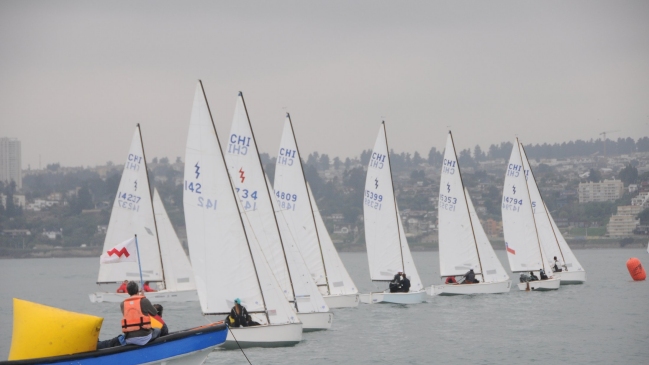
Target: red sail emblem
(119, 253)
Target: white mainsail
(299, 209)
(177, 269)
(463, 244)
(227, 263)
(524, 250)
(132, 214)
(551, 238)
(249, 179)
(457, 245)
(387, 247)
(255, 195)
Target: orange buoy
(635, 269)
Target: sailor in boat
(400, 283)
(147, 288)
(136, 320)
(164, 330)
(543, 275)
(469, 278)
(238, 315)
(557, 265)
(122, 288)
(533, 277)
(450, 280)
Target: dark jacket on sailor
(469, 277)
(147, 308)
(241, 318)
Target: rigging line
(240, 348)
(396, 207)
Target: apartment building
(607, 190)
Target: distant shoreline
(415, 247)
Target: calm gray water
(605, 321)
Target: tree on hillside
(629, 175)
(594, 175)
(434, 157)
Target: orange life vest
(133, 319)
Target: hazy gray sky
(76, 76)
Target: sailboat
(554, 245)
(298, 207)
(522, 242)
(134, 212)
(255, 195)
(228, 263)
(387, 248)
(463, 243)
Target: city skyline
(78, 76)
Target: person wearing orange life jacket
(136, 322)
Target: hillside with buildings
(597, 192)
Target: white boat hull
(342, 301)
(397, 298)
(316, 321)
(478, 288)
(157, 297)
(571, 277)
(540, 285)
(264, 336)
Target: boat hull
(342, 301)
(264, 336)
(397, 298)
(478, 288)
(540, 285)
(158, 296)
(316, 321)
(571, 277)
(189, 347)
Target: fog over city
(76, 76)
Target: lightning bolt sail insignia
(514, 188)
(135, 184)
(241, 174)
(198, 168)
(376, 183)
(448, 187)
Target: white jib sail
(384, 234)
(524, 250)
(340, 282)
(493, 270)
(132, 214)
(250, 182)
(177, 269)
(308, 297)
(218, 247)
(299, 210)
(458, 252)
(554, 245)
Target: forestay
(177, 269)
(132, 214)
(457, 245)
(551, 239)
(387, 248)
(524, 251)
(248, 176)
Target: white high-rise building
(10, 161)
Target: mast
(288, 270)
(545, 208)
(155, 222)
(394, 196)
(536, 230)
(252, 258)
(324, 267)
(466, 203)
